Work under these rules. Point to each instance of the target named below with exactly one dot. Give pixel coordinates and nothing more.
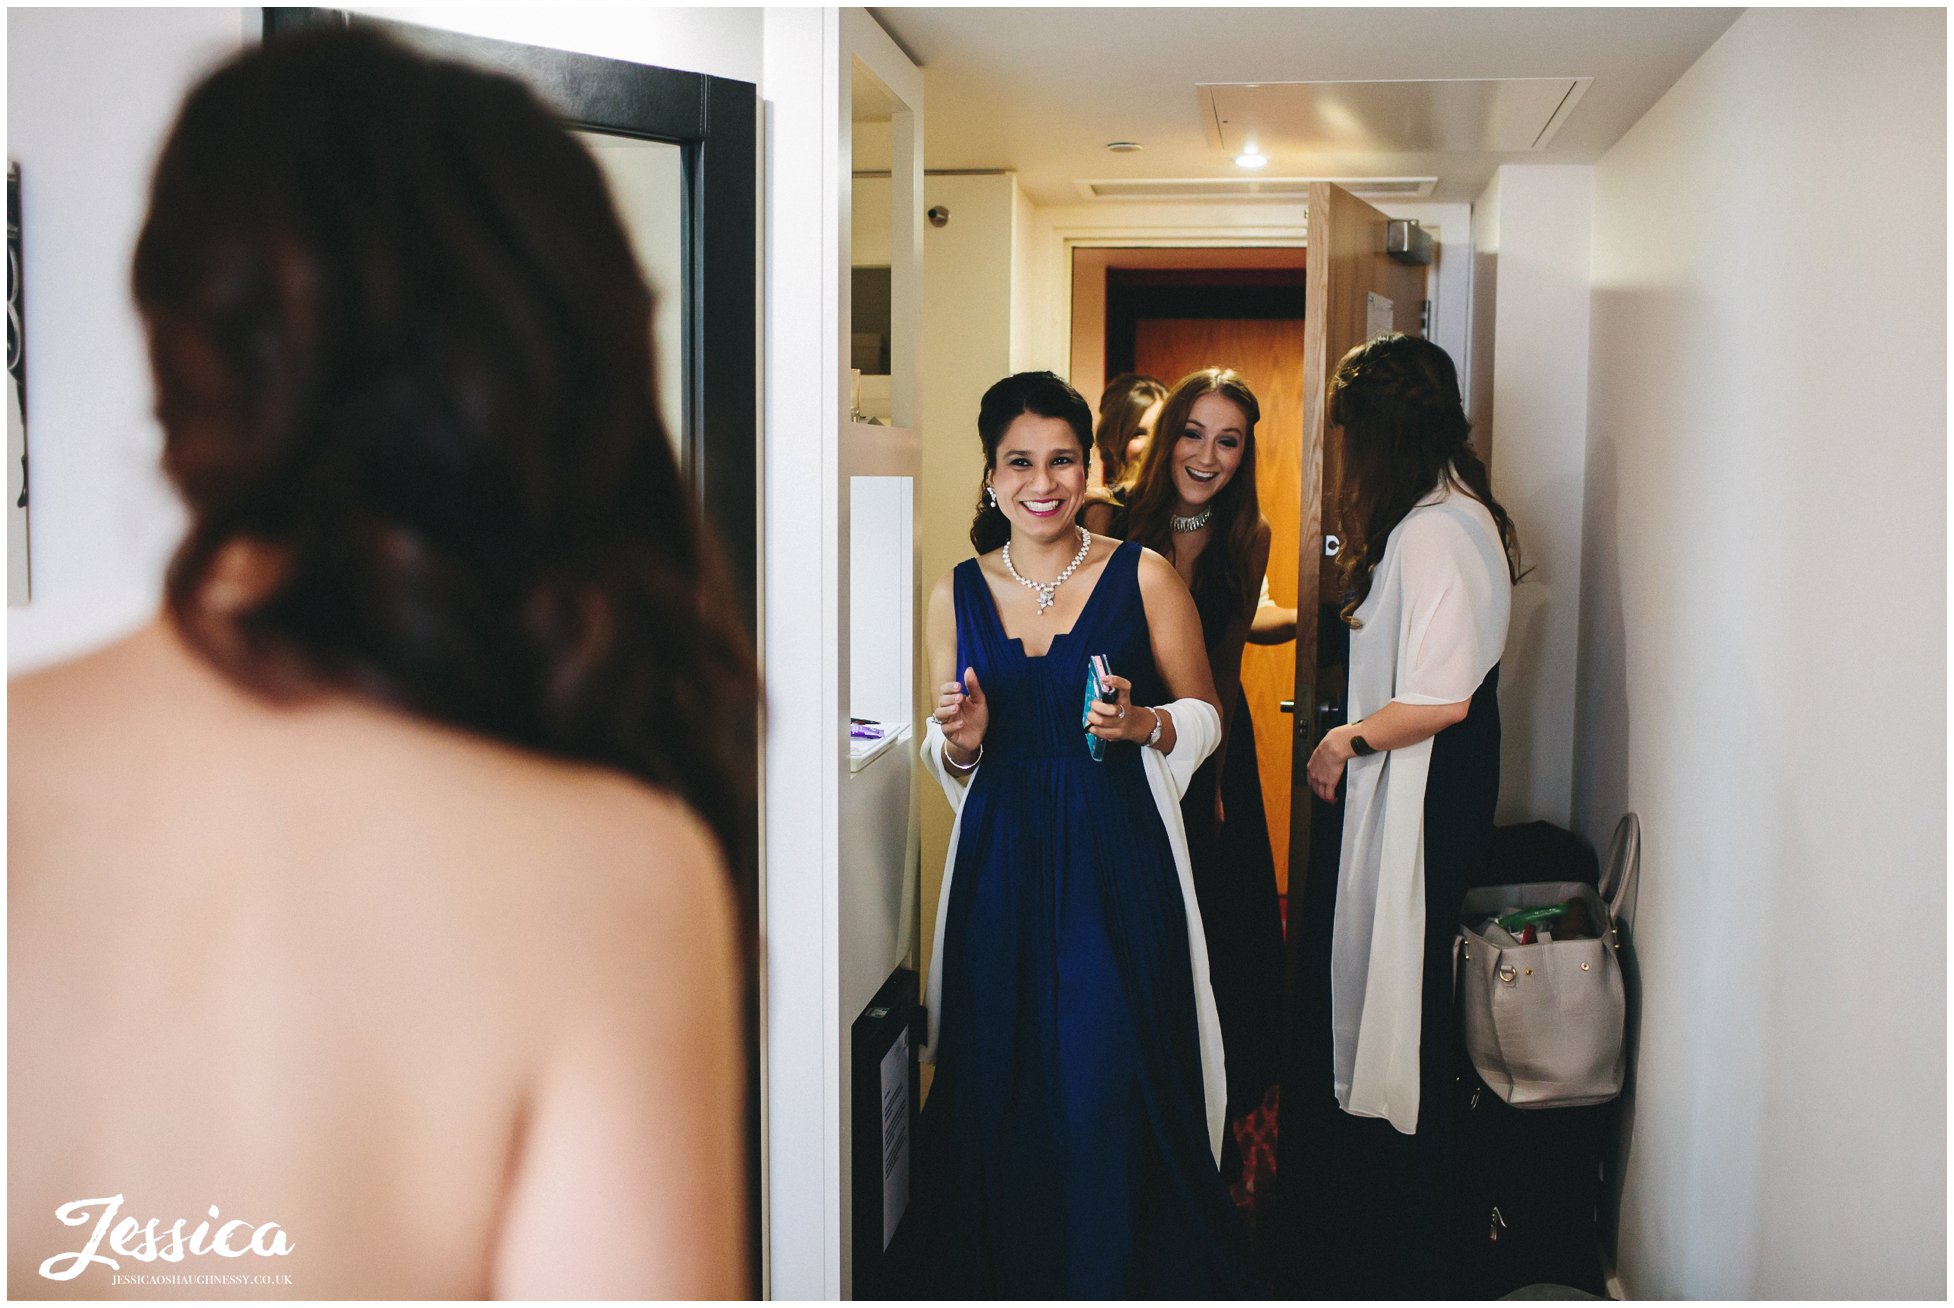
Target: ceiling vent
(1503, 115)
(1251, 188)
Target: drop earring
(991, 491)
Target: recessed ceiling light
(1252, 160)
(1122, 147)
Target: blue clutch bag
(1097, 670)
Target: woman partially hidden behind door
(376, 891)
(1406, 793)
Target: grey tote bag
(1543, 1021)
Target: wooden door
(1347, 266)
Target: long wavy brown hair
(1405, 431)
(401, 347)
(1223, 590)
(1122, 404)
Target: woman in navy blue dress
(1068, 1147)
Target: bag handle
(1624, 863)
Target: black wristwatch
(1361, 748)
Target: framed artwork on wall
(18, 578)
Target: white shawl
(1434, 624)
(1197, 730)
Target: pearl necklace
(1048, 589)
(1194, 523)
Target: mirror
(647, 182)
(872, 343)
(702, 194)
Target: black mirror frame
(713, 121)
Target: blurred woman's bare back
(460, 1020)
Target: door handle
(1324, 708)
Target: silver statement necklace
(1048, 589)
(1194, 523)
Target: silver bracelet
(1154, 738)
(962, 769)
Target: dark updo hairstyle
(401, 347)
(1224, 592)
(1397, 400)
(1122, 404)
(1043, 395)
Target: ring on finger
(1121, 713)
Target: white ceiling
(1041, 91)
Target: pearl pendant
(1047, 591)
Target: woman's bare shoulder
(80, 679)
(630, 842)
(346, 783)
(1155, 571)
(943, 590)
(585, 885)
(1104, 546)
(656, 884)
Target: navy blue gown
(1064, 1150)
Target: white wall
(802, 201)
(1763, 654)
(1484, 303)
(1042, 276)
(1539, 390)
(90, 95)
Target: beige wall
(967, 335)
(1763, 654)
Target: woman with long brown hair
(1193, 500)
(1406, 793)
(374, 895)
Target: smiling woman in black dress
(1193, 499)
